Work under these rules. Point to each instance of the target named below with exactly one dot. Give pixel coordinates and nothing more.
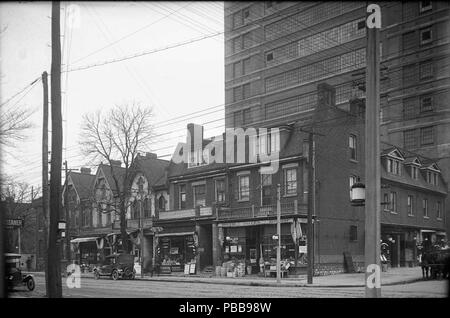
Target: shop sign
(302, 249)
(14, 222)
(252, 223)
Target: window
(409, 40)
(432, 178)
(237, 118)
(410, 205)
(425, 6)
(426, 104)
(237, 69)
(361, 25)
(182, 194)
(199, 195)
(220, 190)
(247, 116)
(246, 92)
(426, 70)
(274, 142)
(425, 207)
(246, 13)
(197, 158)
(425, 36)
(414, 172)
(393, 202)
(394, 166)
(290, 181)
(410, 139)
(269, 57)
(386, 202)
(269, 4)
(352, 146)
(266, 189)
(237, 93)
(353, 180)
(439, 210)
(247, 66)
(85, 218)
(353, 233)
(162, 203)
(147, 208)
(244, 187)
(427, 136)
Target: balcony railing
(254, 211)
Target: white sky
(174, 82)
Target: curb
(255, 283)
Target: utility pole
(372, 154)
(54, 271)
(141, 233)
(279, 233)
(66, 206)
(45, 174)
(311, 206)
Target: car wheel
(96, 275)
(30, 284)
(115, 275)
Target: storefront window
(177, 250)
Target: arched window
(162, 203)
(135, 210)
(147, 210)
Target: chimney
(326, 95)
(151, 155)
(116, 163)
(194, 137)
(85, 170)
(358, 107)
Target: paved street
(154, 289)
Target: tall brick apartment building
(276, 52)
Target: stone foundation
(325, 269)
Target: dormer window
(394, 159)
(414, 172)
(432, 177)
(394, 166)
(197, 158)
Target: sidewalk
(394, 276)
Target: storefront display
(175, 252)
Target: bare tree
(16, 198)
(13, 123)
(120, 133)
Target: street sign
(14, 222)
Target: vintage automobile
(13, 274)
(116, 266)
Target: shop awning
(428, 231)
(84, 239)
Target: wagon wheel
(30, 284)
(115, 275)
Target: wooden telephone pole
(311, 207)
(279, 233)
(54, 271)
(66, 210)
(45, 196)
(372, 154)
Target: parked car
(116, 266)
(13, 273)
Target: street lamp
(358, 194)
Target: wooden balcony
(253, 211)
